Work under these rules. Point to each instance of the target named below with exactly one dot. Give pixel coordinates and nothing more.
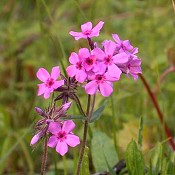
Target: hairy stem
(84, 136)
(161, 117)
(44, 159)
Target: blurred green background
(34, 33)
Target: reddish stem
(161, 117)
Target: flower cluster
(95, 69)
(100, 67)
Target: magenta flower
(109, 59)
(102, 83)
(52, 114)
(62, 136)
(87, 31)
(49, 81)
(132, 67)
(77, 68)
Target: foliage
(35, 33)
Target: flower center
(87, 32)
(49, 82)
(79, 65)
(90, 60)
(108, 59)
(99, 78)
(61, 136)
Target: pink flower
(102, 83)
(109, 59)
(49, 81)
(87, 31)
(77, 68)
(132, 67)
(124, 46)
(62, 136)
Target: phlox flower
(50, 82)
(87, 31)
(77, 68)
(132, 67)
(52, 114)
(124, 45)
(109, 59)
(62, 136)
(101, 83)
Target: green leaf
(134, 160)
(111, 171)
(102, 146)
(97, 114)
(85, 163)
(140, 132)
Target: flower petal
(72, 140)
(41, 89)
(91, 87)
(55, 72)
(116, 38)
(120, 58)
(83, 53)
(100, 55)
(52, 141)
(106, 89)
(73, 59)
(54, 127)
(57, 84)
(61, 148)
(86, 27)
(114, 71)
(42, 75)
(109, 47)
(97, 28)
(71, 70)
(76, 35)
(127, 45)
(80, 76)
(68, 126)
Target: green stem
(84, 136)
(44, 159)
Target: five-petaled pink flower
(62, 136)
(50, 82)
(87, 31)
(132, 67)
(101, 83)
(109, 59)
(77, 68)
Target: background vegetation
(34, 34)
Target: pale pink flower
(101, 83)
(50, 82)
(62, 136)
(132, 67)
(122, 45)
(109, 59)
(77, 68)
(87, 31)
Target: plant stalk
(161, 117)
(84, 136)
(44, 159)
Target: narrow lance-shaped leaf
(85, 163)
(97, 114)
(134, 160)
(140, 132)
